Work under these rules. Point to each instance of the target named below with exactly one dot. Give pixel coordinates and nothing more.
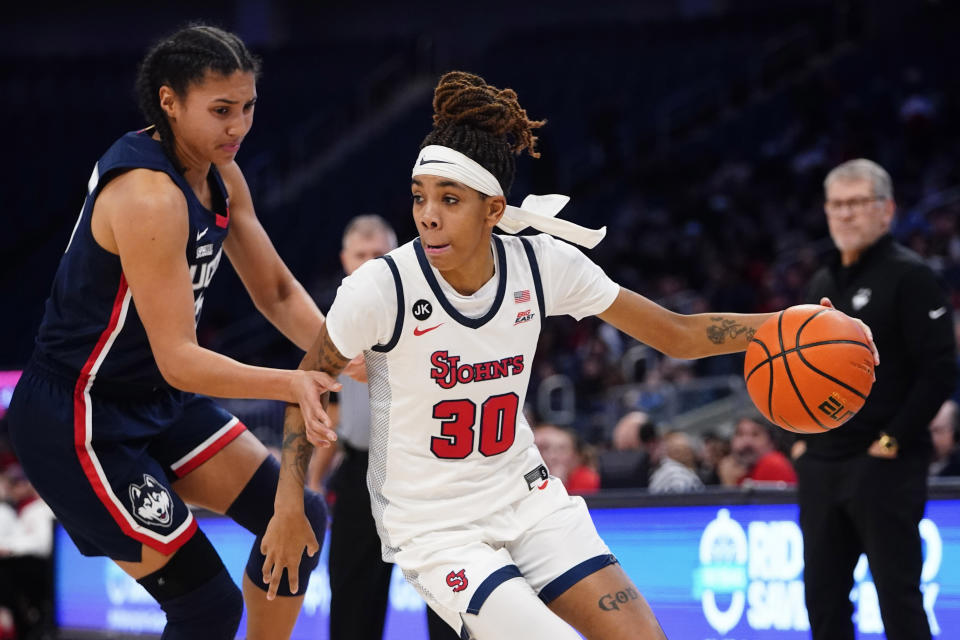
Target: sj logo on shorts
(151, 502)
(457, 580)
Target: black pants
(863, 505)
(359, 578)
(26, 588)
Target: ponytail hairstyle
(482, 122)
(183, 58)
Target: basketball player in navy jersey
(448, 324)
(108, 419)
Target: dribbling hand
(825, 302)
(283, 544)
(308, 388)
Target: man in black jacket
(862, 488)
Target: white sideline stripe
(203, 445)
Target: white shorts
(547, 538)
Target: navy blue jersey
(90, 324)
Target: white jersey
(448, 375)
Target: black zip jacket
(899, 297)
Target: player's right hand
(308, 389)
(283, 544)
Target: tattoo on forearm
(297, 450)
(728, 328)
(613, 601)
(329, 358)
(297, 453)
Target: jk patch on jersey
(537, 478)
(204, 251)
(422, 309)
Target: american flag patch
(519, 297)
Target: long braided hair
(482, 122)
(183, 58)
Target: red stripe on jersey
(222, 221)
(80, 438)
(210, 451)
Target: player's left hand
(357, 369)
(288, 534)
(825, 302)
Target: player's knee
(196, 592)
(315, 508)
(316, 512)
(512, 609)
(253, 506)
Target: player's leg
(225, 469)
(513, 610)
(606, 604)
(359, 578)
(831, 546)
(437, 629)
(477, 589)
(888, 508)
(115, 500)
(192, 587)
(575, 575)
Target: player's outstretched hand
(357, 369)
(309, 387)
(287, 535)
(825, 302)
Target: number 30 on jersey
(498, 426)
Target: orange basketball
(809, 368)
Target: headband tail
(516, 219)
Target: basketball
(809, 369)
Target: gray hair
(862, 169)
(368, 225)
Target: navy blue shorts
(105, 462)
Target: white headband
(536, 211)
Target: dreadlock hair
(179, 60)
(482, 122)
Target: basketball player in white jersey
(448, 324)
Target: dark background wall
(699, 131)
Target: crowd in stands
(26, 543)
(643, 455)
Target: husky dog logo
(151, 502)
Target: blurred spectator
(635, 431)
(753, 456)
(627, 465)
(945, 432)
(715, 449)
(676, 472)
(26, 542)
(563, 454)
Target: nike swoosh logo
(424, 161)
(200, 234)
(936, 313)
(417, 331)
